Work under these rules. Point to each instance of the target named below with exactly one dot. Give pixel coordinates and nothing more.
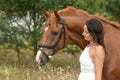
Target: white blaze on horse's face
(37, 59)
(46, 29)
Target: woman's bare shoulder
(99, 50)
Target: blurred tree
(92, 6)
(58, 4)
(24, 22)
(113, 7)
(12, 35)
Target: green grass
(63, 66)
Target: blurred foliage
(92, 6)
(59, 67)
(71, 48)
(113, 7)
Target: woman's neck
(92, 43)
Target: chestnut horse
(67, 25)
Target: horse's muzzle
(41, 58)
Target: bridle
(55, 46)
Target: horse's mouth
(44, 59)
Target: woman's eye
(55, 33)
(86, 32)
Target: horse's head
(54, 37)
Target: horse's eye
(55, 33)
(49, 24)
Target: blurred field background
(63, 66)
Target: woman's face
(86, 34)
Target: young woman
(92, 57)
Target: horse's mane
(82, 12)
(113, 23)
(71, 11)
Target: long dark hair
(95, 28)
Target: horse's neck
(78, 39)
(75, 28)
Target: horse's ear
(46, 13)
(57, 15)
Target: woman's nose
(83, 33)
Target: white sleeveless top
(87, 66)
